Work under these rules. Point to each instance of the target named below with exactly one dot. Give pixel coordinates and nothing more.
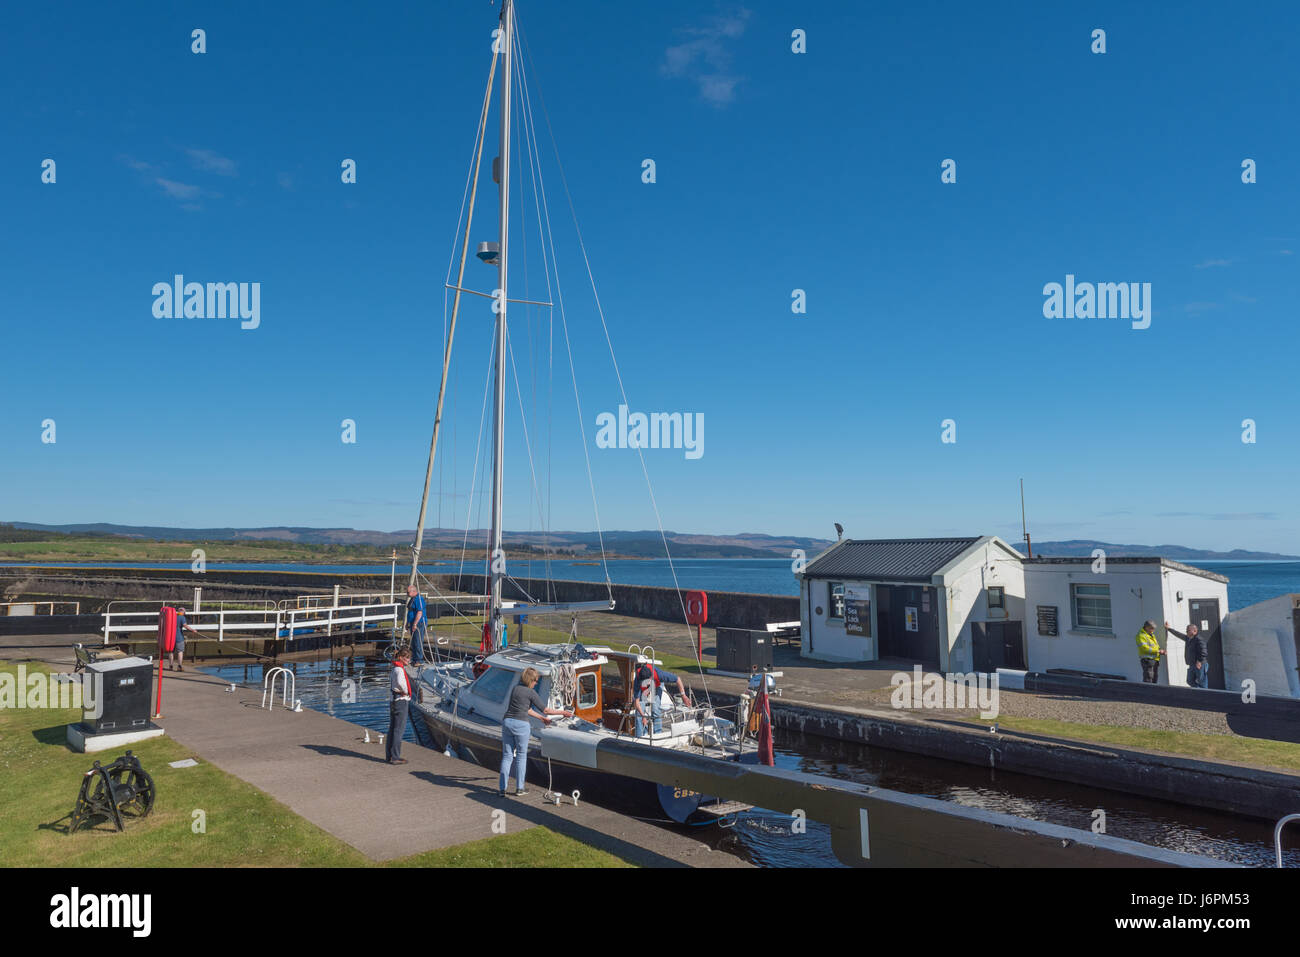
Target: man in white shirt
(399, 684)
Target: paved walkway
(321, 768)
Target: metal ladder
(290, 687)
(1277, 835)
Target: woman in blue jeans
(515, 730)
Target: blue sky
(775, 171)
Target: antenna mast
(1024, 528)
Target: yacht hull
(616, 791)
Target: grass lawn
(245, 827)
(1257, 752)
(126, 550)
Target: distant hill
(1080, 548)
(635, 544)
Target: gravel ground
(1079, 710)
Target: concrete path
(320, 767)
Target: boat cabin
(599, 698)
(617, 692)
(489, 694)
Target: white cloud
(705, 58)
(177, 190)
(211, 162)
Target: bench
(791, 632)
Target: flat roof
(1131, 560)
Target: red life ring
(167, 629)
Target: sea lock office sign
(857, 611)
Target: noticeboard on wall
(857, 612)
(911, 623)
(857, 618)
(1047, 621)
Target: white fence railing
(269, 622)
(28, 608)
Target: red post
(158, 707)
(166, 642)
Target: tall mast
(496, 557)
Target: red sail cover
(166, 628)
(766, 751)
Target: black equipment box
(743, 650)
(120, 693)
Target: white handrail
(1277, 834)
(290, 680)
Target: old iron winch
(121, 788)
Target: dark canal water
(766, 837)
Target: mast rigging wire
(613, 359)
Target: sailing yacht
(462, 703)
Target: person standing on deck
(525, 702)
(178, 652)
(670, 679)
(1149, 652)
(399, 683)
(417, 621)
(1196, 654)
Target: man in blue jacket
(417, 620)
(1197, 655)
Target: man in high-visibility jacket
(1149, 652)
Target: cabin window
(997, 597)
(835, 591)
(494, 684)
(588, 690)
(1091, 606)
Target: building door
(1204, 613)
(885, 622)
(1013, 645)
(924, 644)
(908, 618)
(997, 644)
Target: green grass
(245, 827)
(126, 550)
(536, 847)
(1256, 752)
(92, 549)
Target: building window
(1091, 606)
(835, 590)
(997, 597)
